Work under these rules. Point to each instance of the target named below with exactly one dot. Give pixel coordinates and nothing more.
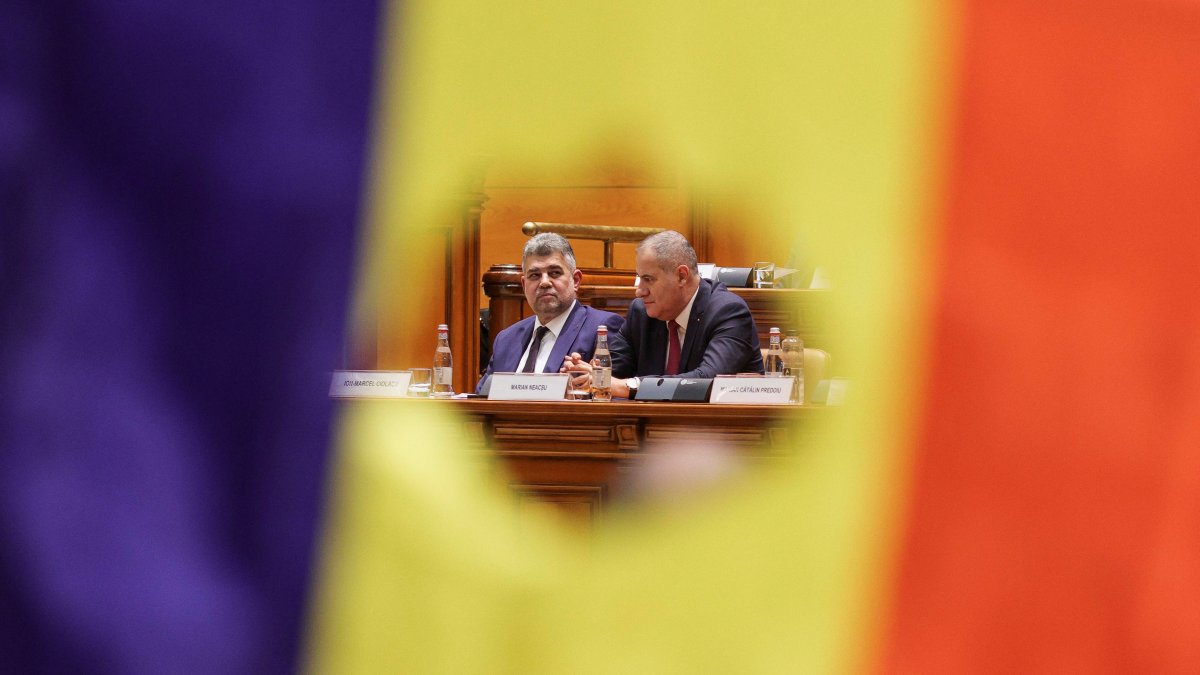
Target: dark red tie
(534, 348)
(672, 348)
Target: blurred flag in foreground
(179, 186)
(1009, 193)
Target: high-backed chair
(817, 367)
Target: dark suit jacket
(721, 338)
(578, 335)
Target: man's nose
(544, 280)
(640, 291)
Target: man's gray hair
(548, 243)
(671, 250)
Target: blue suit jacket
(721, 338)
(578, 335)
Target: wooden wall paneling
(406, 319)
(612, 169)
(509, 208)
(701, 237)
(739, 236)
(462, 291)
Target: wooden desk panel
(576, 455)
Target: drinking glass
(764, 274)
(418, 386)
(575, 393)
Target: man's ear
(683, 273)
(577, 277)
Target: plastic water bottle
(443, 365)
(602, 367)
(793, 364)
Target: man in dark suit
(560, 325)
(679, 324)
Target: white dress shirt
(682, 320)
(555, 325)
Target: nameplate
(830, 392)
(369, 383)
(528, 386)
(837, 391)
(753, 389)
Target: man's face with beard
(549, 286)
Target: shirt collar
(686, 314)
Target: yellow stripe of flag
(823, 115)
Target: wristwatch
(633, 383)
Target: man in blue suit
(679, 324)
(560, 325)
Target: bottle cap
(774, 330)
(601, 329)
